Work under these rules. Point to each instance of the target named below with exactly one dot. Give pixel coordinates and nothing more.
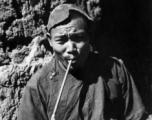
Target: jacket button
(53, 76)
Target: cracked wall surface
(24, 47)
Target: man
(96, 88)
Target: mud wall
(118, 31)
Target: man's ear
(49, 38)
(50, 43)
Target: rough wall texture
(24, 47)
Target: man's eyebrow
(78, 33)
(59, 35)
(70, 34)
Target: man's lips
(74, 60)
(71, 58)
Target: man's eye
(79, 38)
(61, 41)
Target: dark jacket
(102, 90)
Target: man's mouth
(71, 58)
(74, 60)
(73, 63)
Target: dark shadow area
(18, 41)
(125, 32)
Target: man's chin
(74, 67)
(64, 65)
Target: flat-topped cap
(62, 12)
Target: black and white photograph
(75, 60)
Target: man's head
(69, 35)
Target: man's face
(71, 42)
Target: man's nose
(71, 47)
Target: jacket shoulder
(41, 73)
(108, 67)
(105, 62)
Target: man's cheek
(84, 48)
(58, 49)
(58, 53)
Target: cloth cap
(61, 13)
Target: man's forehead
(62, 12)
(61, 33)
(74, 26)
